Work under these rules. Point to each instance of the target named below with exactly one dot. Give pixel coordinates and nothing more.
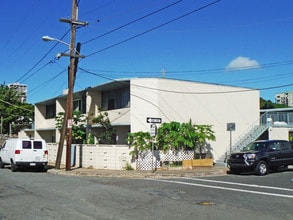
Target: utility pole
(74, 55)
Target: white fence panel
(115, 157)
(94, 156)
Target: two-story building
(129, 102)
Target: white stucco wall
(203, 103)
(276, 133)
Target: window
(26, 145)
(50, 111)
(275, 146)
(37, 144)
(79, 105)
(284, 145)
(111, 104)
(115, 99)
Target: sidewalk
(217, 170)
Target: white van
(24, 153)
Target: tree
(139, 141)
(204, 134)
(188, 135)
(268, 104)
(174, 136)
(184, 136)
(78, 126)
(108, 134)
(168, 136)
(14, 112)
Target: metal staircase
(252, 134)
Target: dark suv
(261, 157)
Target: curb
(197, 172)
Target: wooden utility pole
(74, 55)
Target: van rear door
(40, 151)
(32, 151)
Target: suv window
(275, 146)
(284, 145)
(26, 145)
(255, 146)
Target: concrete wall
(276, 133)
(110, 157)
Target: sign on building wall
(231, 126)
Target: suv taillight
(17, 151)
(46, 152)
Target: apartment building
(20, 89)
(285, 98)
(129, 102)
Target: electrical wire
(203, 71)
(120, 28)
(43, 84)
(129, 23)
(154, 28)
(188, 93)
(36, 64)
(38, 70)
(16, 106)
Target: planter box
(187, 164)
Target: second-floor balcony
(277, 117)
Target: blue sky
(235, 42)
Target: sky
(244, 43)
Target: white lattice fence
(148, 161)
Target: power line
(191, 93)
(120, 28)
(34, 66)
(262, 79)
(16, 106)
(49, 80)
(154, 28)
(129, 23)
(37, 70)
(205, 71)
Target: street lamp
(48, 38)
(76, 55)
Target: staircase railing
(267, 119)
(252, 133)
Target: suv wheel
(262, 168)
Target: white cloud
(242, 63)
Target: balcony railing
(277, 118)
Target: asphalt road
(31, 195)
